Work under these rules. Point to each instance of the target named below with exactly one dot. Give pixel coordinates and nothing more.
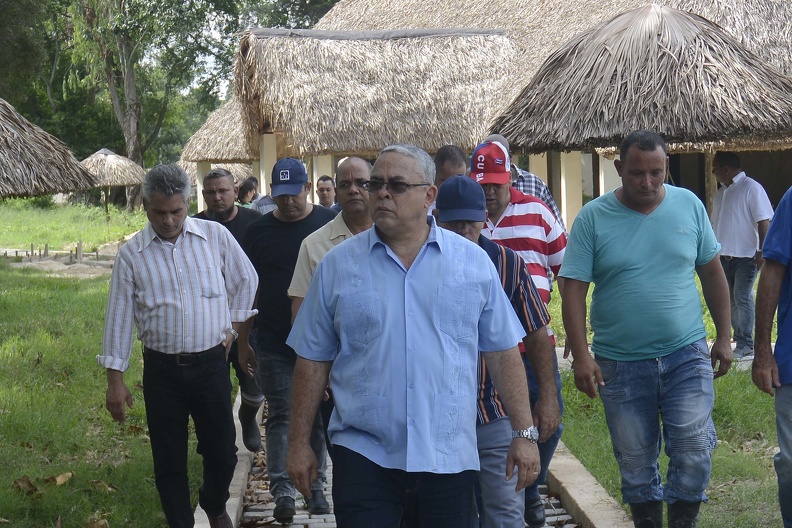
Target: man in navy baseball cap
(462, 208)
(288, 177)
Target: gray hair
(425, 162)
(168, 180)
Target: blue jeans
(678, 389)
(248, 387)
(547, 448)
(172, 394)
(783, 460)
(740, 274)
(366, 494)
(275, 372)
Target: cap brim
(498, 178)
(291, 189)
(461, 215)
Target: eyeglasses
(394, 187)
(346, 185)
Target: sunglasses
(394, 187)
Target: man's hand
(546, 417)
(302, 466)
(117, 395)
(525, 455)
(247, 358)
(764, 371)
(721, 356)
(587, 375)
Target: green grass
(22, 223)
(52, 416)
(743, 489)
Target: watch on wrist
(531, 434)
(233, 333)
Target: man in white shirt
(741, 215)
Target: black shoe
(317, 504)
(647, 514)
(535, 512)
(284, 510)
(683, 514)
(251, 434)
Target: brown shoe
(222, 521)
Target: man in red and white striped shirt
(516, 220)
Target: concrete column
(268, 155)
(255, 170)
(571, 186)
(537, 164)
(202, 168)
(608, 177)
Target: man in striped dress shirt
(524, 224)
(461, 209)
(189, 288)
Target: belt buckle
(184, 360)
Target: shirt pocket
(369, 415)
(447, 414)
(359, 319)
(457, 312)
(210, 281)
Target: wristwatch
(233, 333)
(531, 434)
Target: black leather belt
(186, 359)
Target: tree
(22, 38)
(128, 43)
(293, 14)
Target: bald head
(350, 163)
(497, 137)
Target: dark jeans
(172, 394)
(366, 494)
(275, 373)
(740, 275)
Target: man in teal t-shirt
(640, 245)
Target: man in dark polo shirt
(220, 193)
(272, 243)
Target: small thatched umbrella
(224, 137)
(347, 93)
(652, 68)
(110, 170)
(33, 162)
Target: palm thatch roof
(224, 137)
(33, 162)
(651, 68)
(240, 171)
(354, 92)
(538, 27)
(111, 169)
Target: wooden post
(710, 183)
(79, 251)
(46, 250)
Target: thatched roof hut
(33, 162)
(538, 27)
(652, 68)
(224, 137)
(240, 171)
(349, 93)
(111, 169)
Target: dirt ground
(88, 268)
